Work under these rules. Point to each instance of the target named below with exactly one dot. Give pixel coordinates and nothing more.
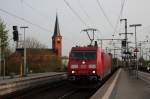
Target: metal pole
(135, 25)
(126, 40)
(126, 48)
(25, 65)
(106, 49)
(101, 44)
(146, 55)
(136, 54)
(114, 53)
(140, 44)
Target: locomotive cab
(83, 63)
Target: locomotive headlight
(93, 66)
(73, 72)
(93, 71)
(148, 68)
(73, 66)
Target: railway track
(59, 90)
(79, 94)
(56, 90)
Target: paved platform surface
(129, 87)
(8, 79)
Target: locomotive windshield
(83, 55)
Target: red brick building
(38, 60)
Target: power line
(85, 12)
(75, 12)
(120, 15)
(100, 6)
(39, 12)
(87, 15)
(23, 19)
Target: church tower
(57, 39)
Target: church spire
(57, 39)
(56, 29)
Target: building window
(58, 42)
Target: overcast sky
(87, 13)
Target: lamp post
(136, 50)
(25, 65)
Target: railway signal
(15, 33)
(124, 43)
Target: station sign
(136, 50)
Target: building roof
(56, 29)
(35, 50)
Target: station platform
(129, 86)
(16, 84)
(8, 79)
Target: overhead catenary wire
(77, 15)
(87, 15)
(34, 9)
(119, 16)
(85, 12)
(103, 11)
(23, 19)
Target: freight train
(89, 62)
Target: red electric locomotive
(89, 62)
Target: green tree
(3, 43)
(3, 36)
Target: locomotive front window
(83, 55)
(77, 55)
(90, 55)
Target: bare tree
(33, 43)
